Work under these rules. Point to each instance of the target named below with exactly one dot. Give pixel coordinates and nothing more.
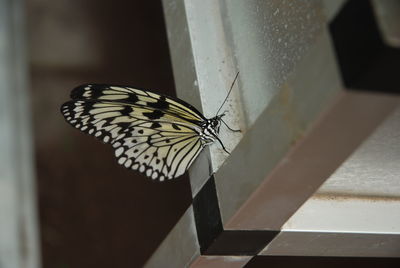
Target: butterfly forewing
(138, 97)
(151, 133)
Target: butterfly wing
(154, 134)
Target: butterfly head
(210, 129)
(215, 122)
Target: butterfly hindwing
(158, 154)
(151, 133)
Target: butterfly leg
(233, 130)
(223, 147)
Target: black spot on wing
(156, 114)
(176, 127)
(124, 125)
(87, 106)
(127, 110)
(160, 104)
(155, 125)
(132, 98)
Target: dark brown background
(93, 212)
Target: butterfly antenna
(233, 83)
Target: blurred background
(93, 212)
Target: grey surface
(301, 99)
(269, 38)
(313, 159)
(19, 246)
(288, 75)
(373, 170)
(181, 52)
(387, 13)
(215, 69)
(363, 195)
(221, 261)
(334, 244)
(185, 76)
(203, 71)
(332, 8)
(356, 211)
(350, 214)
(180, 247)
(284, 56)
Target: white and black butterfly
(157, 135)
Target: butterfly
(157, 135)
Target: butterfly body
(210, 130)
(157, 135)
